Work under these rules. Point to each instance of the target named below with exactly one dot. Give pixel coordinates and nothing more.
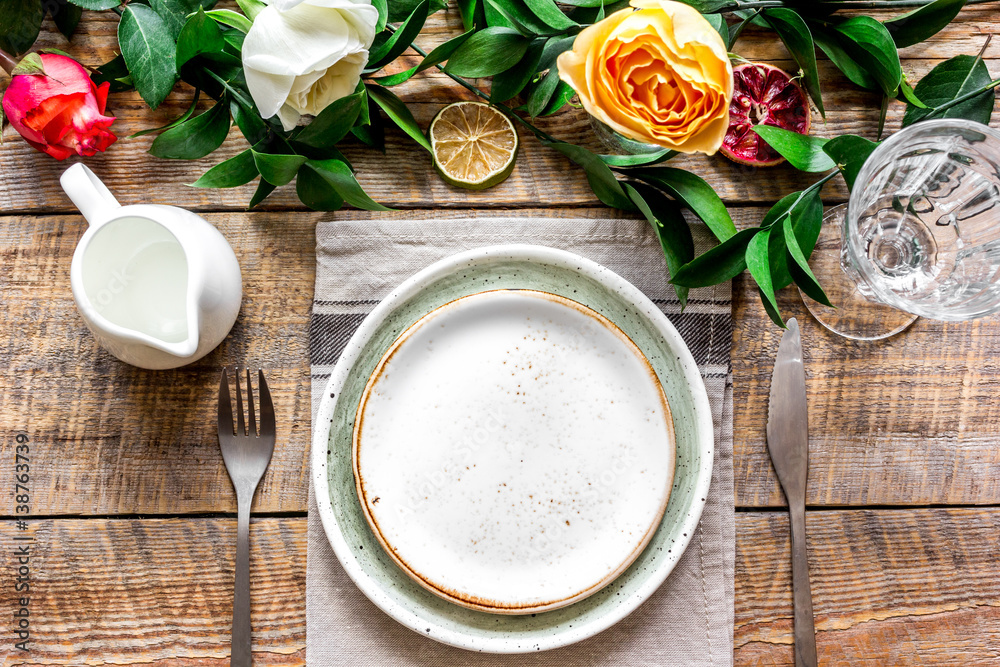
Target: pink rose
(60, 112)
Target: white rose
(301, 55)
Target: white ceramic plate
(503, 268)
(513, 451)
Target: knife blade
(788, 445)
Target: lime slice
(474, 145)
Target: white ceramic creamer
(158, 286)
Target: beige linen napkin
(689, 620)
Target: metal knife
(788, 444)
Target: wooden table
(133, 515)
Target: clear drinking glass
(920, 235)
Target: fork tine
(225, 406)
(267, 427)
(241, 428)
(253, 419)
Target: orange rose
(657, 74)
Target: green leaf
(254, 7)
(671, 230)
(467, 8)
(175, 12)
(66, 16)
(602, 180)
(870, 44)
(794, 32)
(248, 120)
(96, 5)
(759, 265)
(400, 9)
(849, 152)
(334, 122)
(804, 152)
(514, 14)
(372, 134)
(643, 160)
(804, 277)
(564, 93)
(548, 12)
(231, 173)
(316, 192)
(400, 39)
(911, 96)
(695, 193)
(509, 83)
(487, 52)
(398, 113)
(340, 176)
(916, 26)
(30, 65)
(175, 122)
(805, 209)
(776, 212)
(194, 138)
(554, 46)
(200, 34)
(263, 190)
(542, 92)
(383, 14)
(948, 81)
(436, 56)
(829, 43)
(276, 168)
(112, 71)
(719, 264)
(231, 18)
(149, 53)
(20, 22)
(718, 21)
(771, 311)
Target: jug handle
(89, 194)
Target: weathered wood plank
(908, 421)
(543, 178)
(890, 587)
(890, 421)
(911, 587)
(156, 592)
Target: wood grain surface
(132, 560)
(908, 422)
(159, 591)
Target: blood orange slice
(762, 95)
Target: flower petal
(269, 91)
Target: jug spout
(180, 349)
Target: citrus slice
(762, 95)
(474, 145)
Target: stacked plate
(513, 450)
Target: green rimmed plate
(510, 267)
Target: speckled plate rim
(555, 628)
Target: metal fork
(246, 453)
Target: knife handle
(805, 633)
